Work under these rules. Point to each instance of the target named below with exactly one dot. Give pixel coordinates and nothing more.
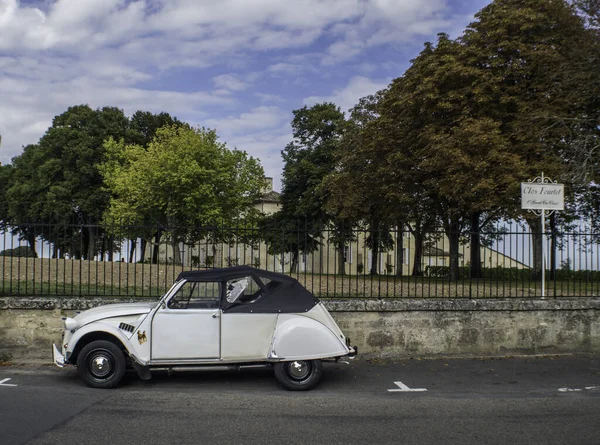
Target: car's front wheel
(299, 375)
(101, 364)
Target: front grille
(127, 327)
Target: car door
(246, 334)
(188, 326)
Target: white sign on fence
(536, 196)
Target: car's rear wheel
(101, 364)
(299, 375)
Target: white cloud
(387, 21)
(121, 53)
(347, 97)
(264, 97)
(259, 118)
(27, 107)
(230, 82)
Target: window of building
(348, 254)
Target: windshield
(175, 284)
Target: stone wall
(387, 328)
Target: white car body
(165, 335)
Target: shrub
(21, 251)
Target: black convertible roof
(227, 273)
(282, 294)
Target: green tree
(308, 158)
(434, 158)
(355, 188)
(142, 130)
(57, 180)
(539, 66)
(144, 125)
(590, 11)
(5, 182)
(185, 179)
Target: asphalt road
(467, 401)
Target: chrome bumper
(59, 359)
(353, 351)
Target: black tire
(101, 364)
(299, 375)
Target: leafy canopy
(184, 178)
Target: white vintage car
(209, 320)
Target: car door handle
(215, 315)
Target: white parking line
(577, 389)
(404, 388)
(2, 383)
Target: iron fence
(118, 260)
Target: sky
(238, 66)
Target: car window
(243, 290)
(197, 295)
(269, 284)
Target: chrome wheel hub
(100, 365)
(299, 370)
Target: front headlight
(70, 324)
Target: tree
(184, 180)
(590, 11)
(142, 130)
(447, 160)
(540, 69)
(57, 180)
(5, 183)
(355, 185)
(307, 161)
(144, 125)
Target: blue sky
(239, 66)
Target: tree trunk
(374, 248)
(476, 271)
(340, 260)
(294, 264)
(91, 247)
(537, 240)
(156, 246)
(399, 249)
(143, 244)
(418, 261)
(454, 237)
(110, 249)
(85, 242)
(176, 251)
(30, 236)
(132, 247)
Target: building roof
(271, 196)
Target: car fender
(298, 337)
(99, 327)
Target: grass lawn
(74, 278)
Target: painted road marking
(404, 388)
(577, 389)
(2, 383)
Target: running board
(178, 368)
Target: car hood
(113, 310)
